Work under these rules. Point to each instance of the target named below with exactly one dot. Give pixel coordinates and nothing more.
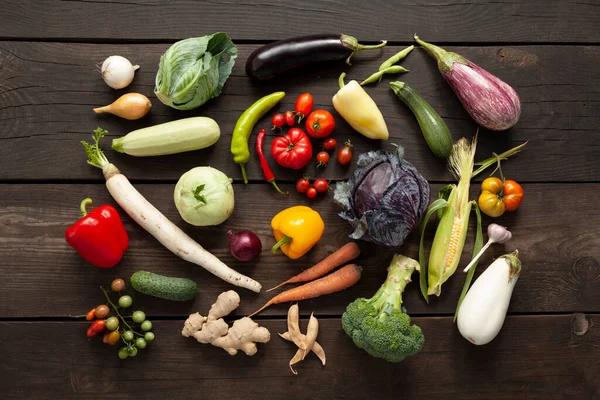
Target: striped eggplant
(490, 101)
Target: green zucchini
(186, 134)
(434, 129)
(165, 287)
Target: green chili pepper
(395, 58)
(394, 69)
(245, 124)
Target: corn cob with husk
(454, 208)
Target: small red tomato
(320, 124)
(111, 337)
(321, 185)
(344, 155)
(322, 159)
(311, 193)
(513, 195)
(304, 105)
(329, 144)
(102, 311)
(302, 185)
(290, 118)
(90, 314)
(95, 328)
(277, 121)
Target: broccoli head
(379, 325)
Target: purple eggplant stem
(490, 101)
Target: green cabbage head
(194, 70)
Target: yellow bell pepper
(355, 105)
(297, 229)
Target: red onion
(490, 101)
(244, 245)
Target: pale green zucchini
(186, 134)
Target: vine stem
(116, 310)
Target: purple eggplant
(275, 58)
(490, 101)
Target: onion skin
(490, 101)
(244, 246)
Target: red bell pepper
(99, 237)
(292, 150)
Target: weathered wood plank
(555, 234)
(47, 91)
(459, 21)
(534, 357)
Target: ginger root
(243, 335)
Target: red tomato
(304, 105)
(290, 118)
(321, 185)
(322, 159)
(320, 124)
(311, 193)
(302, 185)
(329, 144)
(513, 195)
(277, 121)
(292, 150)
(91, 314)
(344, 155)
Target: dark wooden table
(550, 344)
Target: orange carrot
(347, 252)
(341, 279)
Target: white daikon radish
(482, 312)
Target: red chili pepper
(264, 165)
(99, 237)
(95, 328)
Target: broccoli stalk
(378, 325)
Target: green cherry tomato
(112, 323)
(132, 351)
(146, 325)
(138, 317)
(149, 336)
(123, 353)
(127, 336)
(140, 343)
(125, 301)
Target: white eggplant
(482, 312)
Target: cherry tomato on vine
(320, 124)
(513, 195)
(91, 314)
(344, 155)
(277, 121)
(311, 193)
(321, 185)
(102, 311)
(111, 338)
(290, 118)
(322, 159)
(329, 144)
(95, 328)
(117, 285)
(302, 185)
(304, 105)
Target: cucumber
(434, 129)
(176, 289)
(186, 134)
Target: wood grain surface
(49, 83)
(560, 254)
(49, 90)
(537, 357)
(477, 21)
